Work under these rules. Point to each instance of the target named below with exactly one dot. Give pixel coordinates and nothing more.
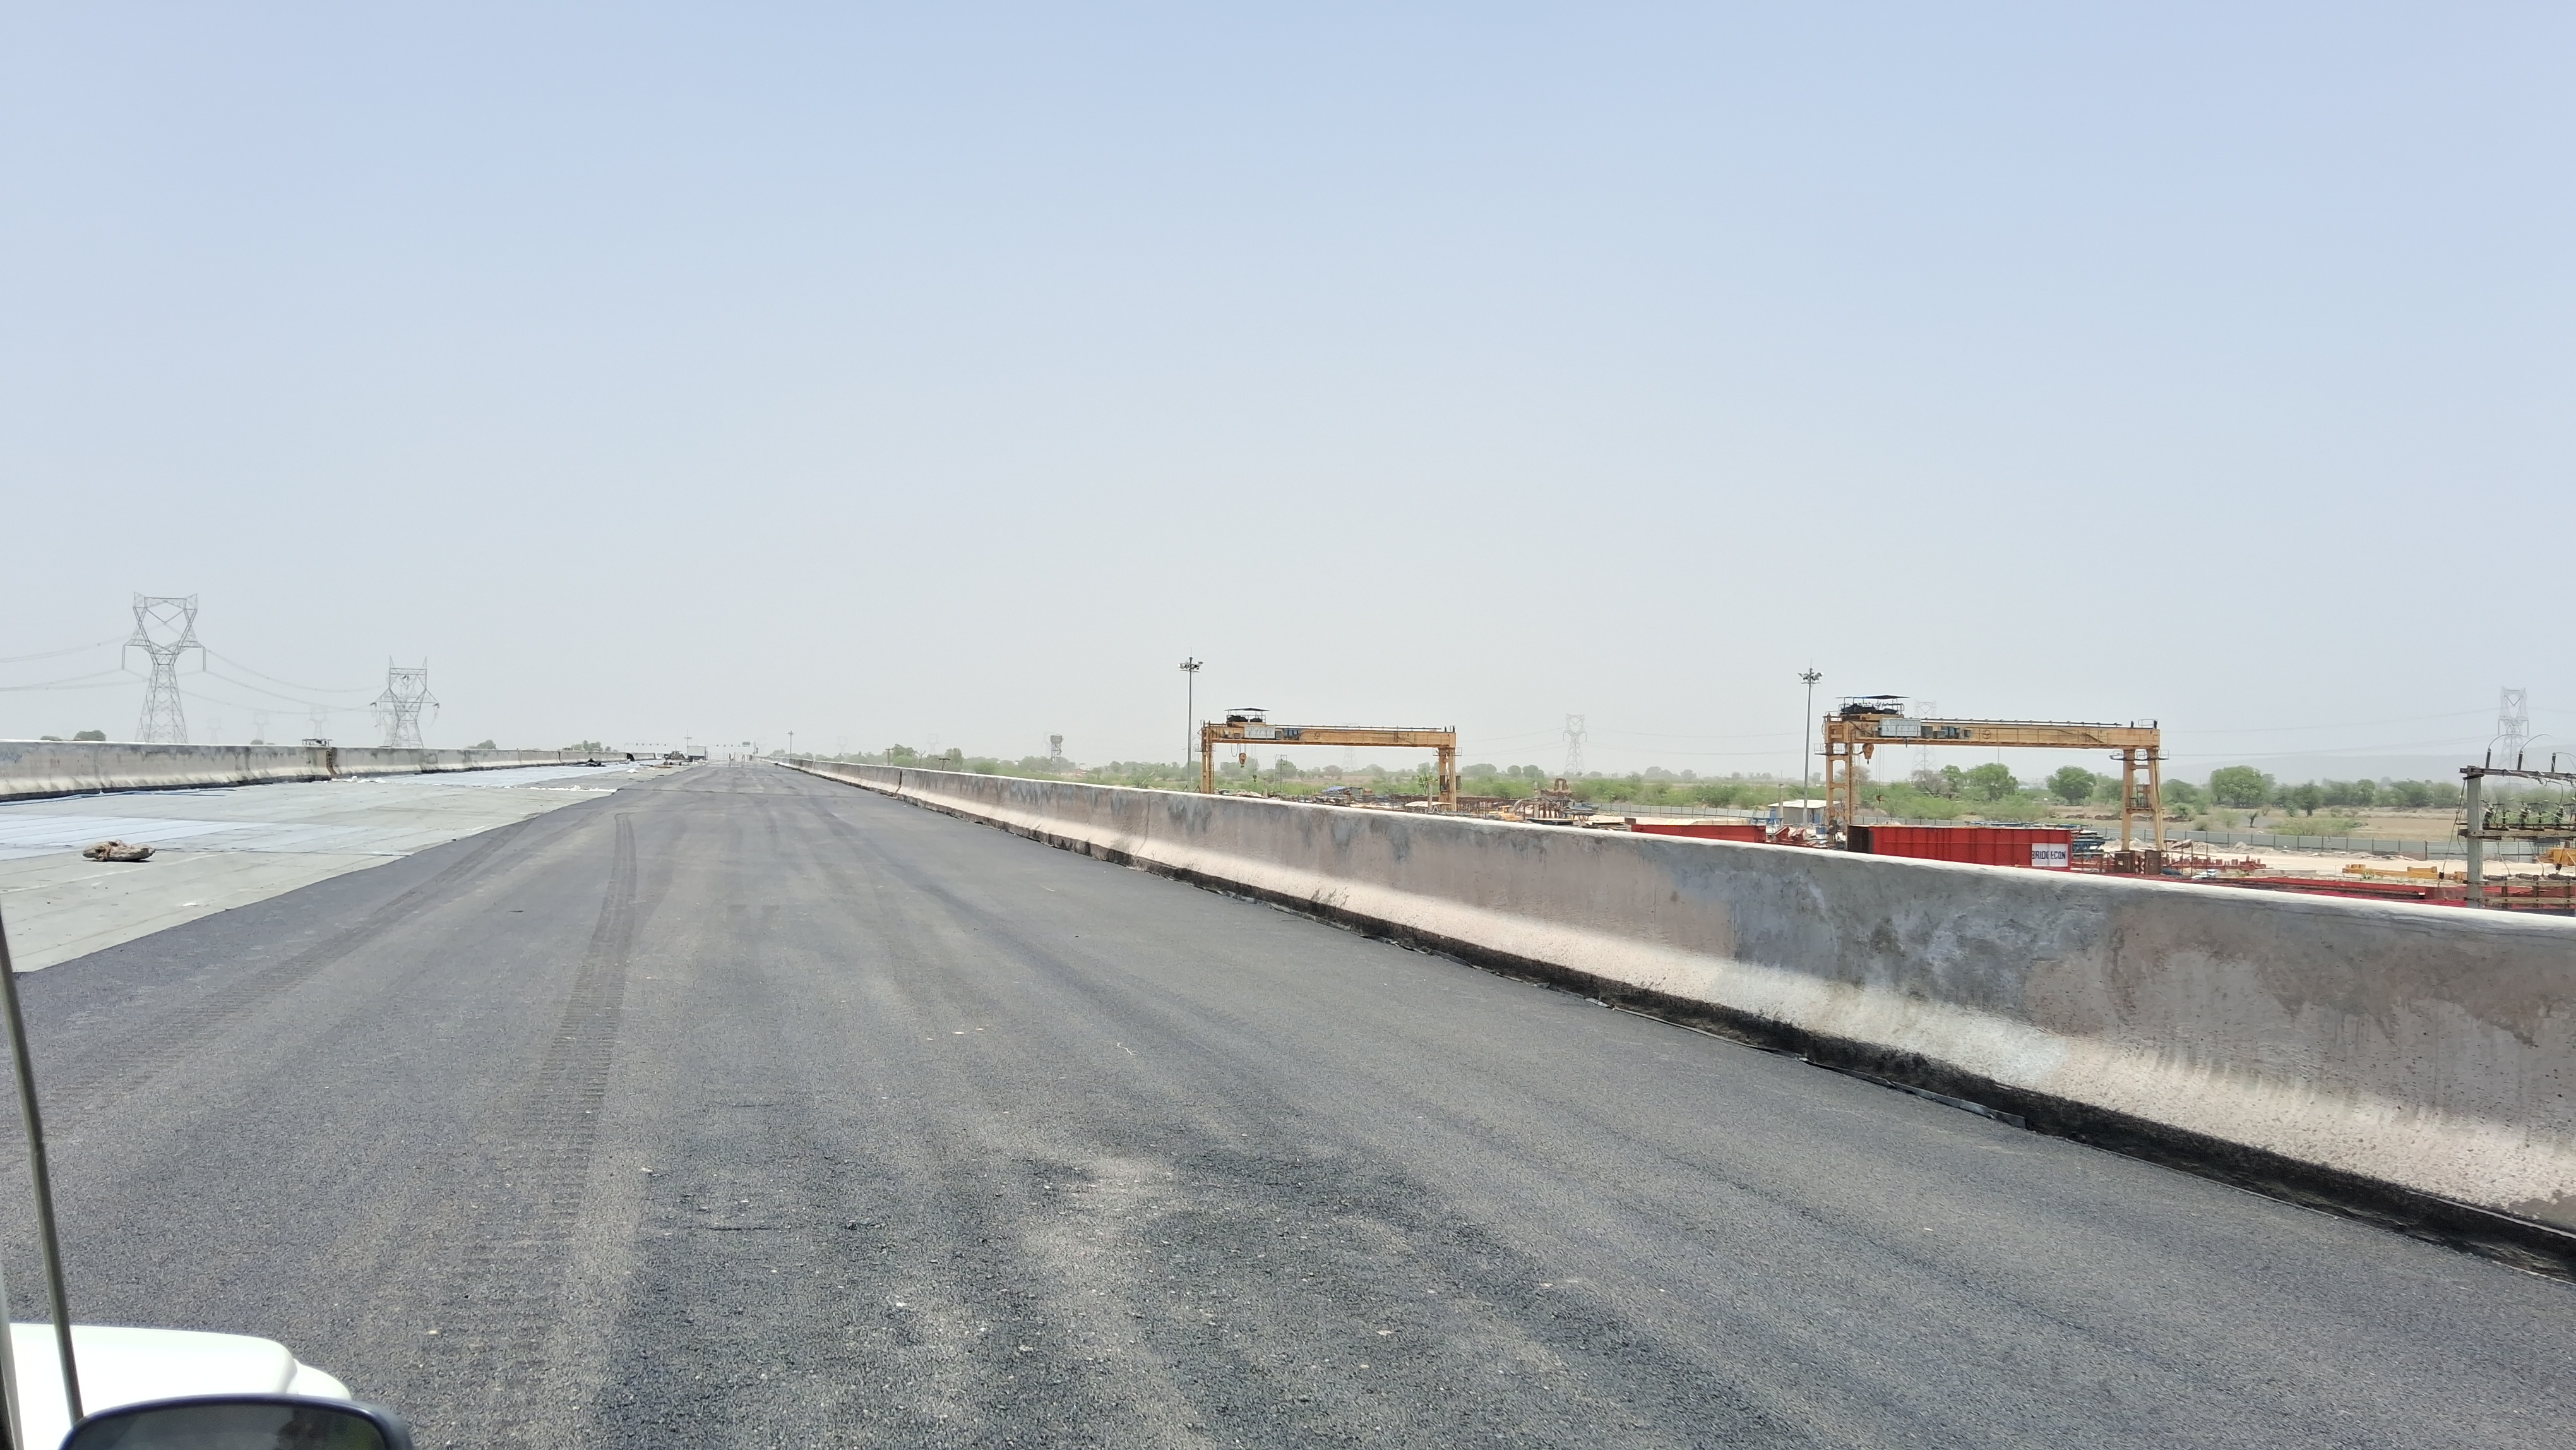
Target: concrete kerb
(2409, 1066)
(42, 769)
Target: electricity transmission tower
(1573, 746)
(406, 695)
(2513, 725)
(165, 627)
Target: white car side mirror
(241, 1422)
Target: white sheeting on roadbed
(229, 846)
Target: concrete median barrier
(2414, 1065)
(34, 769)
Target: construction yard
(2520, 854)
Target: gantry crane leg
(2156, 802)
(1842, 785)
(2142, 797)
(2128, 799)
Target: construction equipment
(1550, 805)
(1854, 732)
(2481, 822)
(1248, 725)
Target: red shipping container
(1702, 830)
(2044, 848)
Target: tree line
(1988, 792)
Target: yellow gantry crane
(1244, 728)
(1854, 732)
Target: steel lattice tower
(165, 627)
(1573, 746)
(406, 695)
(2513, 724)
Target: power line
(2450, 742)
(261, 689)
(1774, 754)
(54, 654)
(242, 705)
(274, 680)
(72, 682)
(2317, 725)
(1654, 735)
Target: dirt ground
(2332, 863)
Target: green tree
(1992, 782)
(2304, 798)
(99, 735)
(2241, 786)
(2074, 785)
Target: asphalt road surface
(741, 1108)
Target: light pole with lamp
(1190, 709)
(1806, 733)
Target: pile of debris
(118, 851)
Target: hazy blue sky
(945, 374)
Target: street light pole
(1806, 734)
(1190, 712)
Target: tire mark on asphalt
(506, 1271)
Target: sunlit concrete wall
(2411, 1063)
(35, 768)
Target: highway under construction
(739, 1106)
